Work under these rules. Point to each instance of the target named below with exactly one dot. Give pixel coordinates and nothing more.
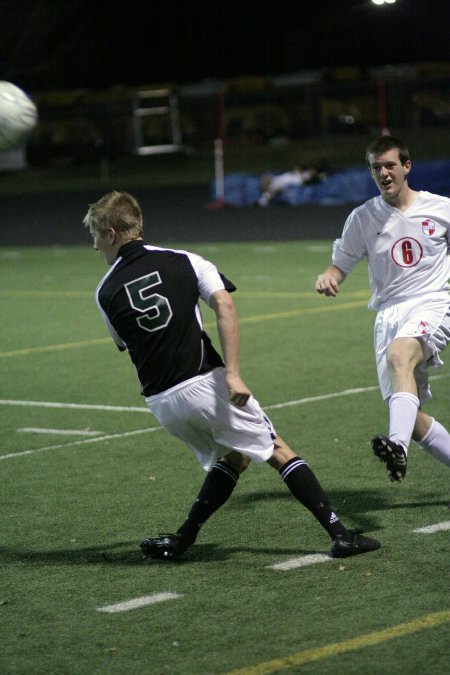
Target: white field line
(323, 397)
(86, 406)
(143, 601)
(337, 394)
(59, 432)
(74, 406)
(143, 409)
(430, 529)
(315, 558)
(97, 439)
(302, 561)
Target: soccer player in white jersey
(405, 236)
(149, 300)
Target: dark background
(59, 44)
(83, 43)
(171, 215)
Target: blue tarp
(342, 187)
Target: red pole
(382, 106)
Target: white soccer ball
(18, 116)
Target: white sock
(437, 442)
(403, 409)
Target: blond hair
(117, 210)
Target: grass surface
(74, 507)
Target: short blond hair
(117, 210)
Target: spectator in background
(275, 184)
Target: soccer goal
(156, 122)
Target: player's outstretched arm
(228, 329)
(328, 282)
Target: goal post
(219, 141)
(156, 108)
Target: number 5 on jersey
(155, 308)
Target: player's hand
(238, 391)
(327, 284)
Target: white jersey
(408, 251)
(285, 180)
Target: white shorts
(426, 318)
(200, 413)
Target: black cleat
(392, 454)
(165, 546)
(345, 546)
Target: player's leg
(217, 488)
(403, 356)
(432, 437)
(402, 363)
(204, 418)
(306, 488)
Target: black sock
(305, 487)
(216, 489)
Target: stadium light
(383, 2)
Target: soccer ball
(18, 116)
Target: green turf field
(87, 472)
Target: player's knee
(396, 360)
(404, 354)
(282, 453)
(237, 461)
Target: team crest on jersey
(424, 328)
(428, 227)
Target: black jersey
(149, 301)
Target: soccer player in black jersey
(149, 300)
